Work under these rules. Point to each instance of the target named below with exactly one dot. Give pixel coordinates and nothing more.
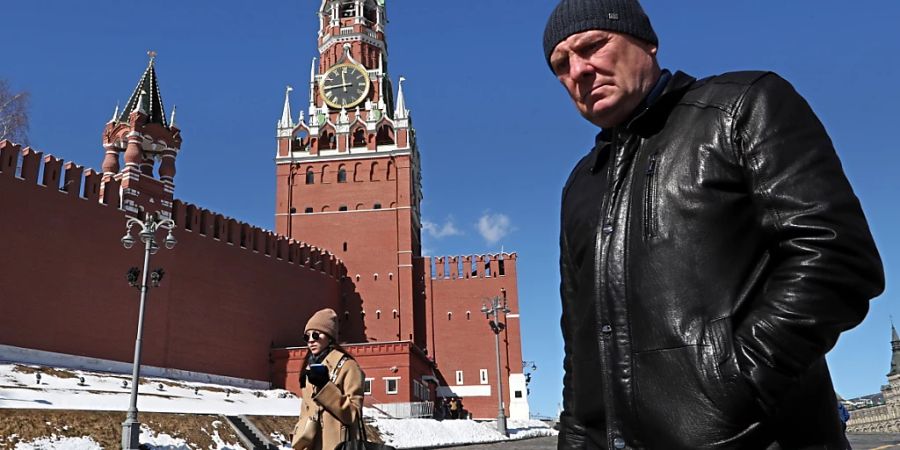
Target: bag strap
(337, 367)
(361, 427)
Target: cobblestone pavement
(858, 441)
(544, 443)
(875, 441)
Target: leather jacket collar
(649, 120)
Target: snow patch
(62, 389)
(60, 443)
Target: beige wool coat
(338, 404)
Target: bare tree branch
(13, 114)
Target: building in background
(347, 236)
(879, 413)
(349, 179)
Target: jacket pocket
(679, 405)
(650, 194)
(729, 389)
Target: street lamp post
(498, 305)
(131, 428)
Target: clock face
(344, 85)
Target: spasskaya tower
(348, 177)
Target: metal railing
(406, 410)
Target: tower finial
(115, 116)
(152, 55)
(312, 86)
(286, 121)
(172, 119)
(894, 337)
(400, 112)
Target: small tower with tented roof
(149, 145)
(895, 350)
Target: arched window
(342, 208)
(348, 9)
(342, 175)
(390, 170)
(373, 175)
(370, 13)
(308, 210)
(300, 143)
(376, 206)
(385, 135)
(322, 179)
(310, 176)
(359, 138)
(327, 141)
(357, 172)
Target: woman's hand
(317, 375)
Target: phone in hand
(318, 369)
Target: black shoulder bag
(359, 441)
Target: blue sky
(497, 133)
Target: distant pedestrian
(331, 385)
(845, 417)
(454, 408)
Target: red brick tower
(348, 180)
(348, 176)
(143, 135)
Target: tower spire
(286, 121)
(312, 87)
(151, 103)
(401, 112)
(115, 115)
(895, 350)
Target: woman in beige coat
(332, 389)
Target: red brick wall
(219, 308)
(376, 246)
(379, 361)
(464, 341)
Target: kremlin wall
(64, 288)
(234, 297)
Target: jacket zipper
(650, 199)
(601, 254)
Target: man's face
(607, 74)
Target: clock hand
(335, 86)
(344, 79)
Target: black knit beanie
(574, 16)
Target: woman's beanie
(574, 16)
(324, 320)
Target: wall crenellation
(31, 166)
(203, 222)
(472, 266)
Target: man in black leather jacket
(712, 250)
